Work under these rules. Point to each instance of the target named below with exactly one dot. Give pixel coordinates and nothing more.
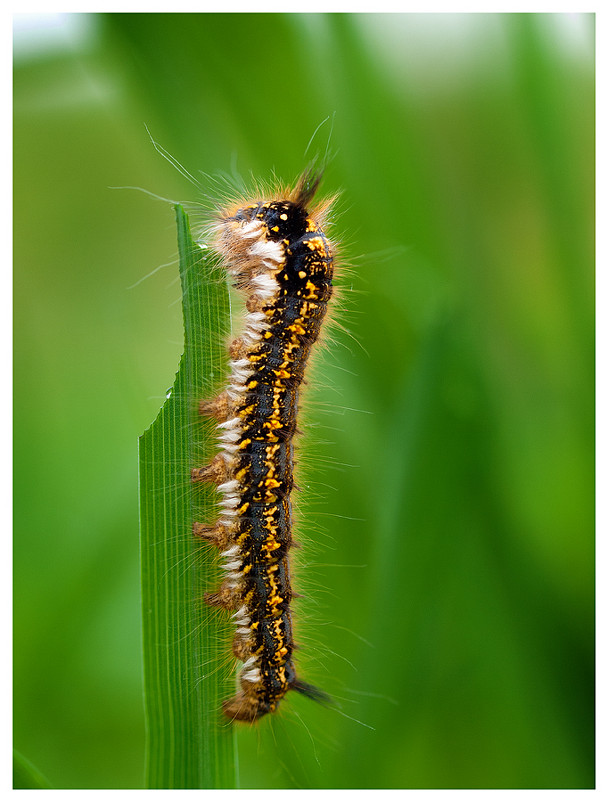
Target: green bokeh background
(448, 555)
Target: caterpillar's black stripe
(277, 252)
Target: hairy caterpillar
(276, 252)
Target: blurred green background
(448, 520)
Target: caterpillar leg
(218, 535)
(241, 647)
(225, 597)
(237, 349)
(220, 408)
(216, 472)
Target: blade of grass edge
(26, 775)
(188, 743)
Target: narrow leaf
(185, 643)
(25, 774)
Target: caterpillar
(276, 252)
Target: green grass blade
(25, 774)
(189, 745)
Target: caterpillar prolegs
(276, 252)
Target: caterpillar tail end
(248, 707)
(312, 692)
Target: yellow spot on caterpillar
(283, 216)
(271, 546)
(302, 274)
(316, 244)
